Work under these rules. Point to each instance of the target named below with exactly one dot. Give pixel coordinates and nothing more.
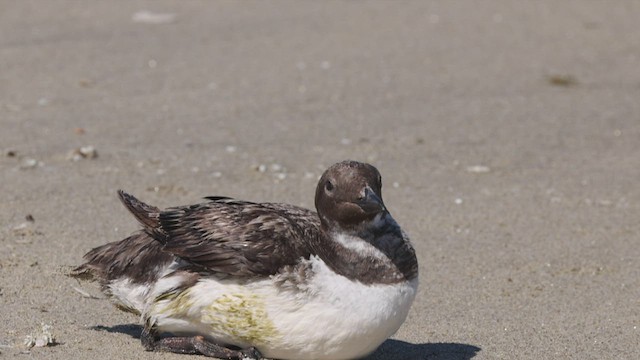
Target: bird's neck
(378, 254)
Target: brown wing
(238, 238)
(137, 258)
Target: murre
(241, 280)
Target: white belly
(343, 319)
(334, 318)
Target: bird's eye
(329, 186)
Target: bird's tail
(135, 259)
(147, 215)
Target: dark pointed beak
(370, 202)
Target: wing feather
(240, 239)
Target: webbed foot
(196, 345)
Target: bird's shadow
(390, 350)
(400, 350)
(132, 330)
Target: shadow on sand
(400, 350)
(390, 350)
(132, 330)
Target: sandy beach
(507, 134)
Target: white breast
(342, 319)
(333, 318)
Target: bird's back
(223, 237)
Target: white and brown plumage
(241, 280)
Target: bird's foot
(197, 345)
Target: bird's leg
(195, 345)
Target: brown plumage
(279, 246)
(244, 240)
(239, 238)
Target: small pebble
(478, 169)
(149, 17)
(563, 80)
(88, 152)
(84, 152)
(24, 229)
(30, 163)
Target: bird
(235, 279)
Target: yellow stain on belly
(241, 316)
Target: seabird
(241, 280)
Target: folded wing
(231, 238)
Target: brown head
(349, 195)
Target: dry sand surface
(507, 133)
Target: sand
(507, 134)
